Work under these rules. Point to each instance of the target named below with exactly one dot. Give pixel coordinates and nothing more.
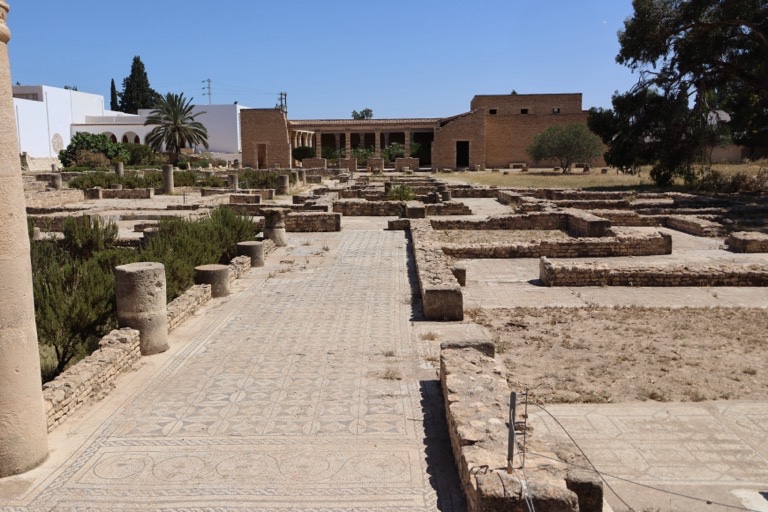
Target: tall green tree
(136, 92)
(694, 57)
(566, 145)
(176, 126)
(366, 113)
(114, 103)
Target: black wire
(587, 458)
(600, 474)
(708, 502)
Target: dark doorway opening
(261, 156)
(462, 153)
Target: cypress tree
(113, 102)
(136, 90)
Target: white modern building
(48, 117)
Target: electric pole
(207, 89)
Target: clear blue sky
(417, 58)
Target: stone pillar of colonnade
(23, 425)
(408, 144)
(318, 145)
(348, 143)
(377, 144)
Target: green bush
(401, 193)
(733, 183)
(84, 236)
(112, 151)
(91, 160)
(74, 293)
(88, 180)
(139, 154)
(301, 152)
(262, 179)
(182, 245)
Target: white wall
(32, 128)
(60, 113)
(59, 108)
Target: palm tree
(176, 126)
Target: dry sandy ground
(600, 355)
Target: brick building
(493, 134)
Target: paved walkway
(713, 451)
(304, 390)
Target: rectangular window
(492, 111)
(523, 110)
(556, 110)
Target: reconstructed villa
(493, 134)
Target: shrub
(301, 152)
(138, 154)
(401, 193)
(95, 143)
(94, 179)
(262, 179)
(712, 180)
(91, 160)
(181, 245)
(84, 236)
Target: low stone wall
(477, 400)
(538, 221)
(356, 208)
(314, 163)
(367, 194)
(127, 193)
(54, 198)
(312, 222)
(596, 274)
(620, 245)
(629, 218)
(94, 376)
(239, 267)
(244, 199)
(187, 304)
(472, 192)
(440, 291)
(411, 163)
(509, 198)
(448, 208)
(747, 241)
(694, 225)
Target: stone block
(442, 302)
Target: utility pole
(207, 88)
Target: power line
(602, 475)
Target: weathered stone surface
(217, 276)
(140, 291)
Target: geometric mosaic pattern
(300, 392)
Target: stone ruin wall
(357, 208)
(312, 222)
(54, 198)
(477, 399)
(620, 245)
(590, 274)
(747, 242)
(440, 291)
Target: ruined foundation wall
(589, 274)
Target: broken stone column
(140, 290)
(283, 185)
(234, 181)
(445, 195)
(274, 226)
(303, 177)
(23, 426)
(254, 250)
(168, 187)
(215, 275)
(120, 169)
(56, 181)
